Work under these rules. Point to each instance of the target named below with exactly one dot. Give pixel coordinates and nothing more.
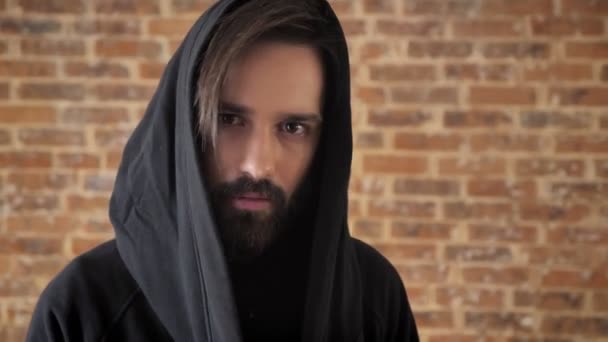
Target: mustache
(245, 184)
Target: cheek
(293, 165)
(227, 156)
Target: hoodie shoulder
(83, 301)
(388, 315)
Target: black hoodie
(165, 277)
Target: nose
(260, 154)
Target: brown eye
(230, 120)
(294, 127)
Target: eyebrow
(233, 108)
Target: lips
(252, 201)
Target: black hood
(163, 223)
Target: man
(230, 204)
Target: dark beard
(246, 234)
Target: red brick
(423, 274)
(569, 235)
(426, 142)
(41, 224)
(151, 70)
(354, 208)
(87, 203)
(558, 255)
(5, 137)
(559, 72)
(536, 120)
(601, 168)
(368, 140)
(413, 230)
(400, 28)
(29, 25)
(49, 47)
(550, 301)
(440, 7)
(196, 6)
(578, 143)
(406, 252)
(10, 68)
(108, 138)
(40, 181)
(42, 266)
(474, 119)
(96, 70)
(354, 27)
(547, 212)
(52, 91)
(434, 319)
(371, 95)
(367, 185)
(488, 28)
(396, 72)
(392, 118)
(373, 50)
(500, 321)
(396, 208)
(169, 27)
(600, 301)
(424, 95)
(592, 50)
(99, 183)
(417, 295)
(457, 337)
(378, 6)
(440, 49)
(460, 253)
(585, 7)
(430, 187)
(117, 48)
(20, 115)
(30, 159)
(109, 27)
(470, 297)
(51, 137)
(95, 115)
(506, 143)
(11, 287)
(77, 160)
(28, 202)
(85, 244)
(473, 166)
(500, 188)
(517, 50)
(604, 78)
(113, 158)
(550, 167)
(562, 26)
(575, 325)
(53, 6)
(589, 278)
(496, 233)
(477, 72)
(493, 95)
(4, 90)
(127, 6)
(341, 7)
(477, 210)
(395, 164)
(580, 96)
(125, 92)
(496, 275)
(99, 226)
(371, 229)
(516, 7)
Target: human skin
(269, 120)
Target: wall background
(481, 164)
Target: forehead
(271, 75)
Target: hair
(289, 21)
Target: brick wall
(481, 163)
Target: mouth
(252, 201)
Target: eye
(294, 128)
(230, 119)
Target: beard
(245, 234)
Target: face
(269, 126)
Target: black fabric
(165, 276)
